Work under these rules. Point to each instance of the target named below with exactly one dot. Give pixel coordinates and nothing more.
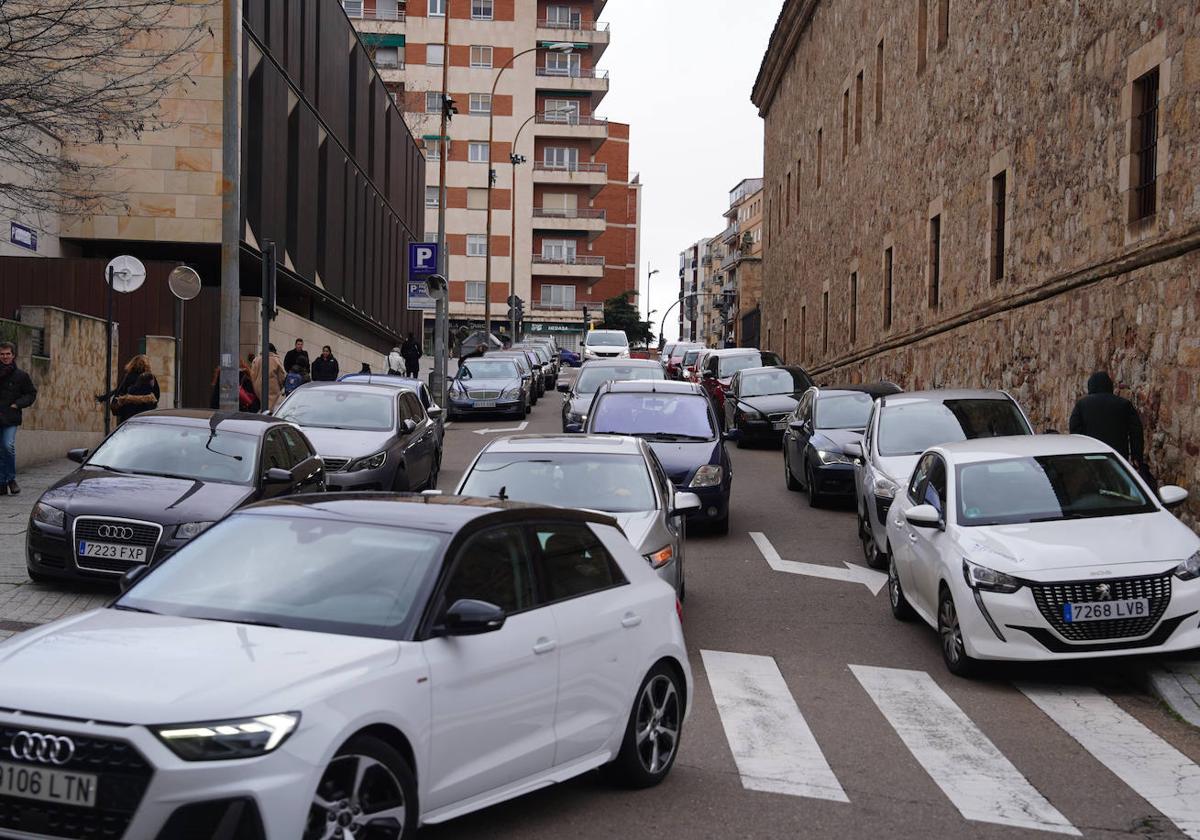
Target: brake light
(679, 609)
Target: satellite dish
(128, 274)
(184, 282)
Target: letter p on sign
(422, 259)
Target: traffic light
(586, 321)
(516, 309)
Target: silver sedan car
(609, 473)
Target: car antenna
(502, 495)
(217, 418)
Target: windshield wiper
(107, 467)
(128, 608)
(668, 436)
(1060, 517)
(235, 620)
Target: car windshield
(521, 360)
(911, 428)
(657, 416)
(489, 369)
(606, 339)
(334, 408)
(593, 376)
(689, 358)
(612, 483)
(772, 381)
(179, 451)
(1047, 489)
(842, 411)
(682, 352)
(729, 365)
(302, 573)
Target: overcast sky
(681, 74)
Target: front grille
(483, 395)
(335, 464)
(89, 527)
(123, 776)
(1050, 598)
(778, 418)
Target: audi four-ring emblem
(45, 749)
(115, 532)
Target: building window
(559, 250)
(563, 17)
(477, 152)
(845, 123)
(558, 297)
(935, 262)
(561, 111)
(879, 82)
(476, 245)
(922, 33)
(435, 54)
(476, 198)
(818, 158)
(481, 10)
(481, 57)
(887, 289)
(853, 307)
(437, 8)
(563, 64)
(943, 23)
(388, 57)
(432, 196)
(433, 103)
(825, 323)
(561, 157)
(999, 209)
(433, 150)
(481, 103)
(858, 109)
(474, 291)
(1145, 146)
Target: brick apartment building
(576, 204)
(990, 194)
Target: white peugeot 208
(1040, 548)
(345, 667)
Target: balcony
(594, 35)
(569, 126)
(731, 259)
(570, 265)
(591, 175)
(730, 234)
(575, 80)
(585, 220)
(356, 10)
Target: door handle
(631, 620)
(544, 645)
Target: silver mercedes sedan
(609, 473)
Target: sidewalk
(1177, 683)
(24, 604)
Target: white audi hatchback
(1039, 548)
(348, 666)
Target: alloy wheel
(868, 541)
(950, 631)
(358, 798)
(893, 584)
(657, 725)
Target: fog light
(37, 557)
(712, 511)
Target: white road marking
(773, 747)
(869, 578)
(520, 427)
(970, 770)
(1159, 773)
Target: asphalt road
(816, 714)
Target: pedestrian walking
(133, 395)
(325, 366)
(411, 351)
(275, 376)
(395, 361)
(297, 356)
(17, 392)
(247, 398)
(1110, 419)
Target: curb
(1177, 683)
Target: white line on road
(1159, 773)
(773, 747)
(961, 760)
(520, 427)
(869, 578)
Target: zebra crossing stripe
(1159, 773)
(961, 760)
(773, 747)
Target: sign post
(427, 290)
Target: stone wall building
(990, 194)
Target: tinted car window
(662, 416)
(593, 376)
(915, 486)
(910, 429)
(843, 411)
(196, 453)
(935, 487)
(413, 407)
(297, 449)
(493, 567)
(275, 453)
(574, 562)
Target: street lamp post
(649, 277)
(562, 47)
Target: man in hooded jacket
(1109, 418)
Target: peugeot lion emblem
(46, 749)
(1103, 592)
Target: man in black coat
(325, 366)
(1109, 419)
(297, 356)
(16, 393)
(411, 351)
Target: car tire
(386, 782)
(721, 526)
(814, 498)
(901, 609)
(435, 472)
(954, 652)
(875, 558)
(788, 476)
(659, 700)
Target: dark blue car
(569, 357)
(814, 455)
(678, 421)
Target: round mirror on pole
(123, 274)
(184, 283)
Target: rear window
(910, 429)
(729, 365)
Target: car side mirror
(1172, 496)
(853, 450)
(708, 374)
(277, 475)
(923, 516)
(468, 617)
(796, 425)
(130, 577)
(78, 455)
(407, 426)
(686, 503)
(574, 428)
(732, 434)
(564, 387)
(435, 411)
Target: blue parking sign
(422, 259)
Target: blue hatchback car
(678, 421)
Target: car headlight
(989, 580)
(884, 488)
(830, 457)
(660, 558)
(48, 515)
(572, 417)
(191, 529)
(1189, 569)
(225, 739)
(707, 476)
(511, 394)
(371, 462)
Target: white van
(605, 344)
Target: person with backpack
(297, 356)
(17, 392)
(411, 351)
(293, 380)
(1110, 419)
